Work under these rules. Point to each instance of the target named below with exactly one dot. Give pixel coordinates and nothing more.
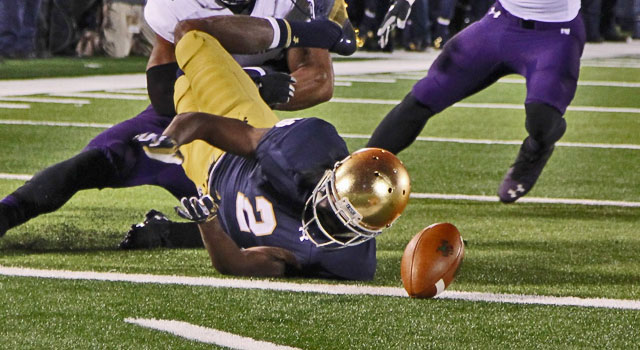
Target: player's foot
(524, 172)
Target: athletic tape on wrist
(281, 32)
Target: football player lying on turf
(112, 160)
(278, 198)
(540, 40)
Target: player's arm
(228, 134)
(161, 76)
(313, 72)
(229, 259)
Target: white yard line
(100, 95)
(23, 177)
(505, 142)
(206, 335)
(420, 75)
(14, 106)
(354, 136)
(464, 197)
(366, 80)
(334, 289)
(51, 123)
(539, 200)
(140, 91)
(46, 100)
(488, 105)
(625, 84)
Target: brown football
(431, 260)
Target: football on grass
(431, 260)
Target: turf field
(573, 240)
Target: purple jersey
(261, 199)
(547, 54)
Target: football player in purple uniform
(540, 40)
(112, 160)
(277, 198)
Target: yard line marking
(464, 197)
(610, 64)
(334, 289)
(342, 83)
(366, 80)
(625, 84)
(23, 177)
(539, 200)
(46, 100)
(14, 106)
(489, 105)
(128, 91)
(357, 136)
(50, 123)
(100, 95)
(505, 142)
(206, 335)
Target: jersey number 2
(246, 215)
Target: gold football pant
(214, 83)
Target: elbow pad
(160, 87)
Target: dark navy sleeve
(295, 153)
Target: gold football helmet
(353, 202)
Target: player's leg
(49, 189)
(111, 159)
(550, 88)
(467, 64)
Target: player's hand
(159, 147)
(198, 209)
(276, 87)
(396, 16)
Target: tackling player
(278, 198)
(111, 159)
(540, 40)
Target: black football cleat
(524, 172)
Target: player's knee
(183, 27)
(544, 123)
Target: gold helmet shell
(367, 192)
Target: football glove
(396, 16)
(159, 147)
(276, 88)
(198, 209)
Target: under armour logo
(514, 193)
(303, 235)
(493, 12)
(565, 31)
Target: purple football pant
(134, 167)
(546, 54)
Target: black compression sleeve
(160, 81)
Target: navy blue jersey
(261, 199)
